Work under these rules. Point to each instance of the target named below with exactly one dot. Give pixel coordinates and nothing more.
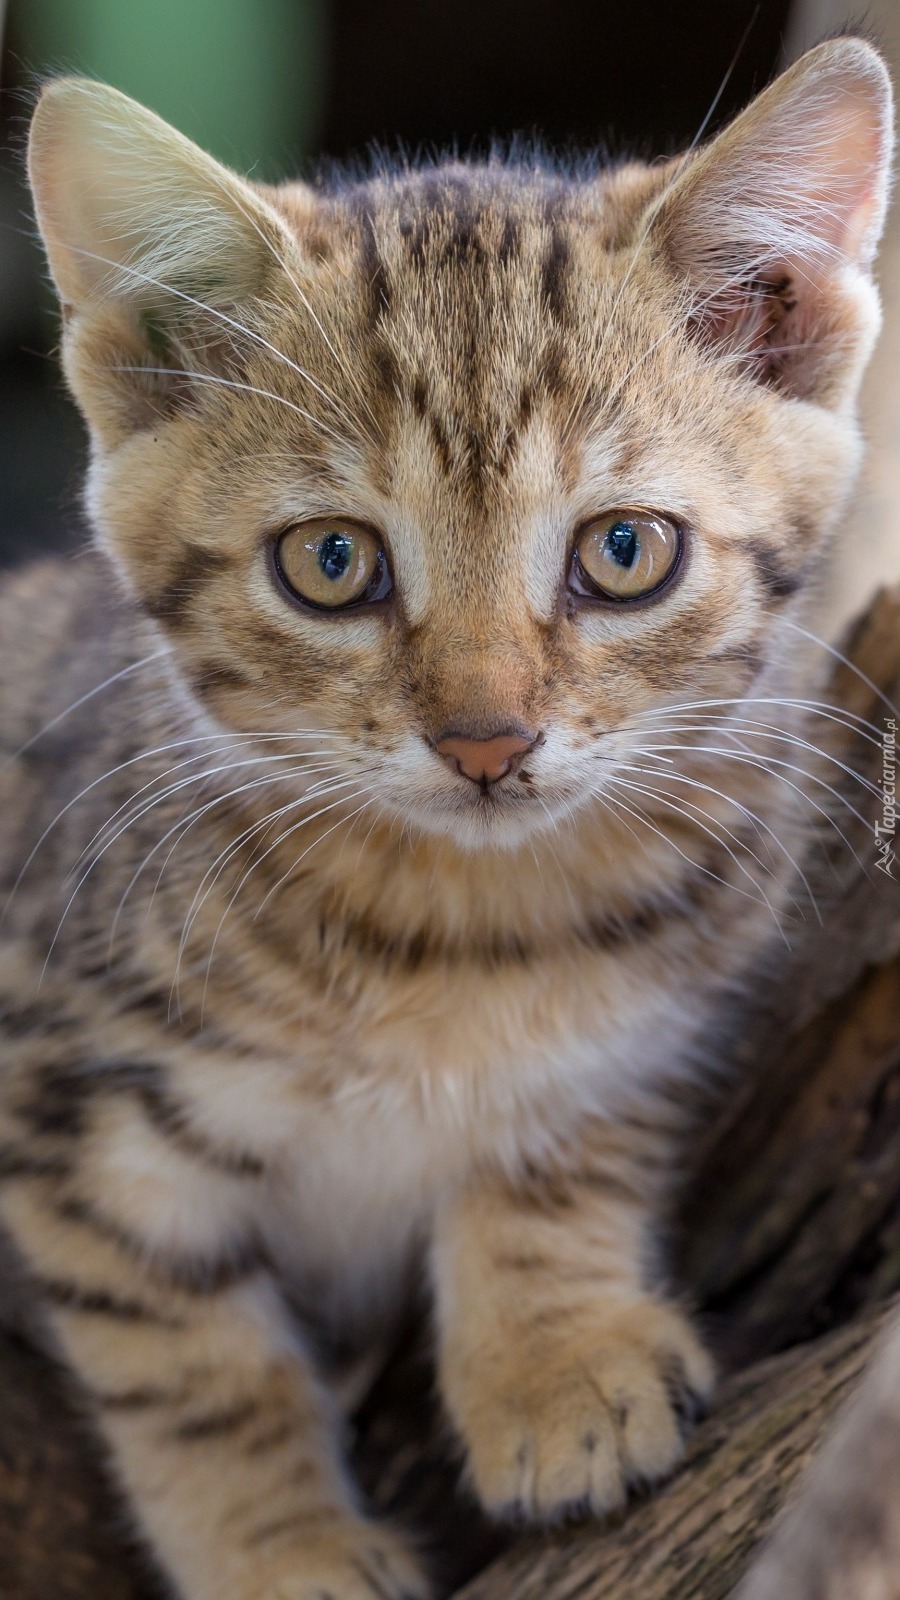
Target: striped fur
(292, 1012)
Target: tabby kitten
(398, 789)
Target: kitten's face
(471, 378)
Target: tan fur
(319, 1014)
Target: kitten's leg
(218, 1427)
(567, 1376)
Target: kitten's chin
(488, 823)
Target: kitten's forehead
(475, 293)
(475, 305)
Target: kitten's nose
(484, 760)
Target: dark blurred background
(272, 86)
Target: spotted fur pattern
(295, 1016)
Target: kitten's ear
(776, 222)
(140, 227)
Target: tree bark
(790, 1244)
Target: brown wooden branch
(790, 1227)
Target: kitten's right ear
(142, 229)
(773, 226)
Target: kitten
(452, 522)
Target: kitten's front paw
(565, 1421)
(358, 1561)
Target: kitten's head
(475, 468)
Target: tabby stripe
(775, 578)
(554, 272)
(139, 1399)
(15, 1163)
(520, 1261)
(368, 940)
(211, 1424)
(69, 1296)
(211, 677)
(277, 1435)
(170, 1118)
(375, 1582)
(374, 269)
(299, 1518)
(59, 1107)
(195, 567)
(191, 1275)
(605, 1183)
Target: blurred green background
(242, 77)
(275, 86)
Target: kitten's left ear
(158, 252)
(775, 223)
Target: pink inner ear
(799, 180)
(846, 174)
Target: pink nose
(483, 760)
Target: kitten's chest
(455, 1073)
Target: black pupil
(622, 543)
(334, 555)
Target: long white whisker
(222, 383)
(640, 816)
(98, 858)
(54, 722)
(839, 714)
(305, 302)
(760, 762)
(200, 305)
(766, 763)
(145, 755)
(185, 824)
(342, 800)
(211, 875)
(295, 864)
(838, 655)
(200, 776)
(672, 805)
(759, 731)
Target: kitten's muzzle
(485, 760)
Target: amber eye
(624, 555)
(330, 563)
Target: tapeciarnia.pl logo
(886, 829)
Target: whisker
(144, 755)
(99, 856)
(115, 677)
(185, 783)
(640, 816)
(796, 741)
(671, 805)
(201, 305)
(342, 800)
(228, 383)
(838, 655)
(184, 826)
(839, 714)
(211, 875)
(766, 763)
(280, 260)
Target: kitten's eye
(330, 563)
(624, 555)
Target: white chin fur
(478, 826)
